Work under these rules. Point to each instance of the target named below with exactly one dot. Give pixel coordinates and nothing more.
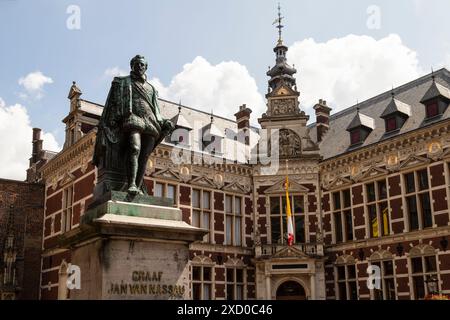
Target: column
(268, 288)
(313, 286)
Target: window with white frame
(66, 223)
(202, 284)
(233, 220)
(278, 218)
(342, 216)
(417, 198)
(387, 280)
(377, 208)
(423, 267)
(235, 283)
(166, 190)
(201, 211)
(346, 280)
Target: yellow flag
(375, 227)
(385, 222)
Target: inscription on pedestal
(143, 283)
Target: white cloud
(34, 84)
(351, 68)
(221, 88)
(15, 141)
(114, 72)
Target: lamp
(432, 284)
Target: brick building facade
(369, 186)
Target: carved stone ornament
(392, 161)
(185, 174)
(150, 167)
(355, 170)
(218, 180)
(434, 150)
(290, 144)
(283, 106)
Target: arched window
(63, 291)
(235, 279)
(384, 261)
(346, 278)
(422, 266)
(202, 275)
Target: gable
(203, 181)
(338, 182)
(372, 172)
(413, 161)
(167, 174)
(294, 187)
(290, 252)
(235, 187)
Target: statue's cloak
(117, 108)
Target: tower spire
(279, 26)
(282, 72)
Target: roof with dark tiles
(337, 140)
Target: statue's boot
(133, 189)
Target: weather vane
(279, 26)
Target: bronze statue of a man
(130, 128)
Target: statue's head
(138, 65)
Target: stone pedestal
(132, 251)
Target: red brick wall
(357, 195)
(185, 195)
(53, 204)
(84, 187)
(437, 175)
(396, 208)
(218, 201)
(326, 202)
(358, 214)
(394, 186)
(439, 199)
(312, 207)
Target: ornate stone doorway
(291, 290)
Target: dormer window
(436, 100)
(432, 109)
(360, 128)
(391, 124)
(395, 115)
(212, 138)
(180, 136)
(355, 136)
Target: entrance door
(291, 290)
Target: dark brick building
(21, 217)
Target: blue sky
(173, 33)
